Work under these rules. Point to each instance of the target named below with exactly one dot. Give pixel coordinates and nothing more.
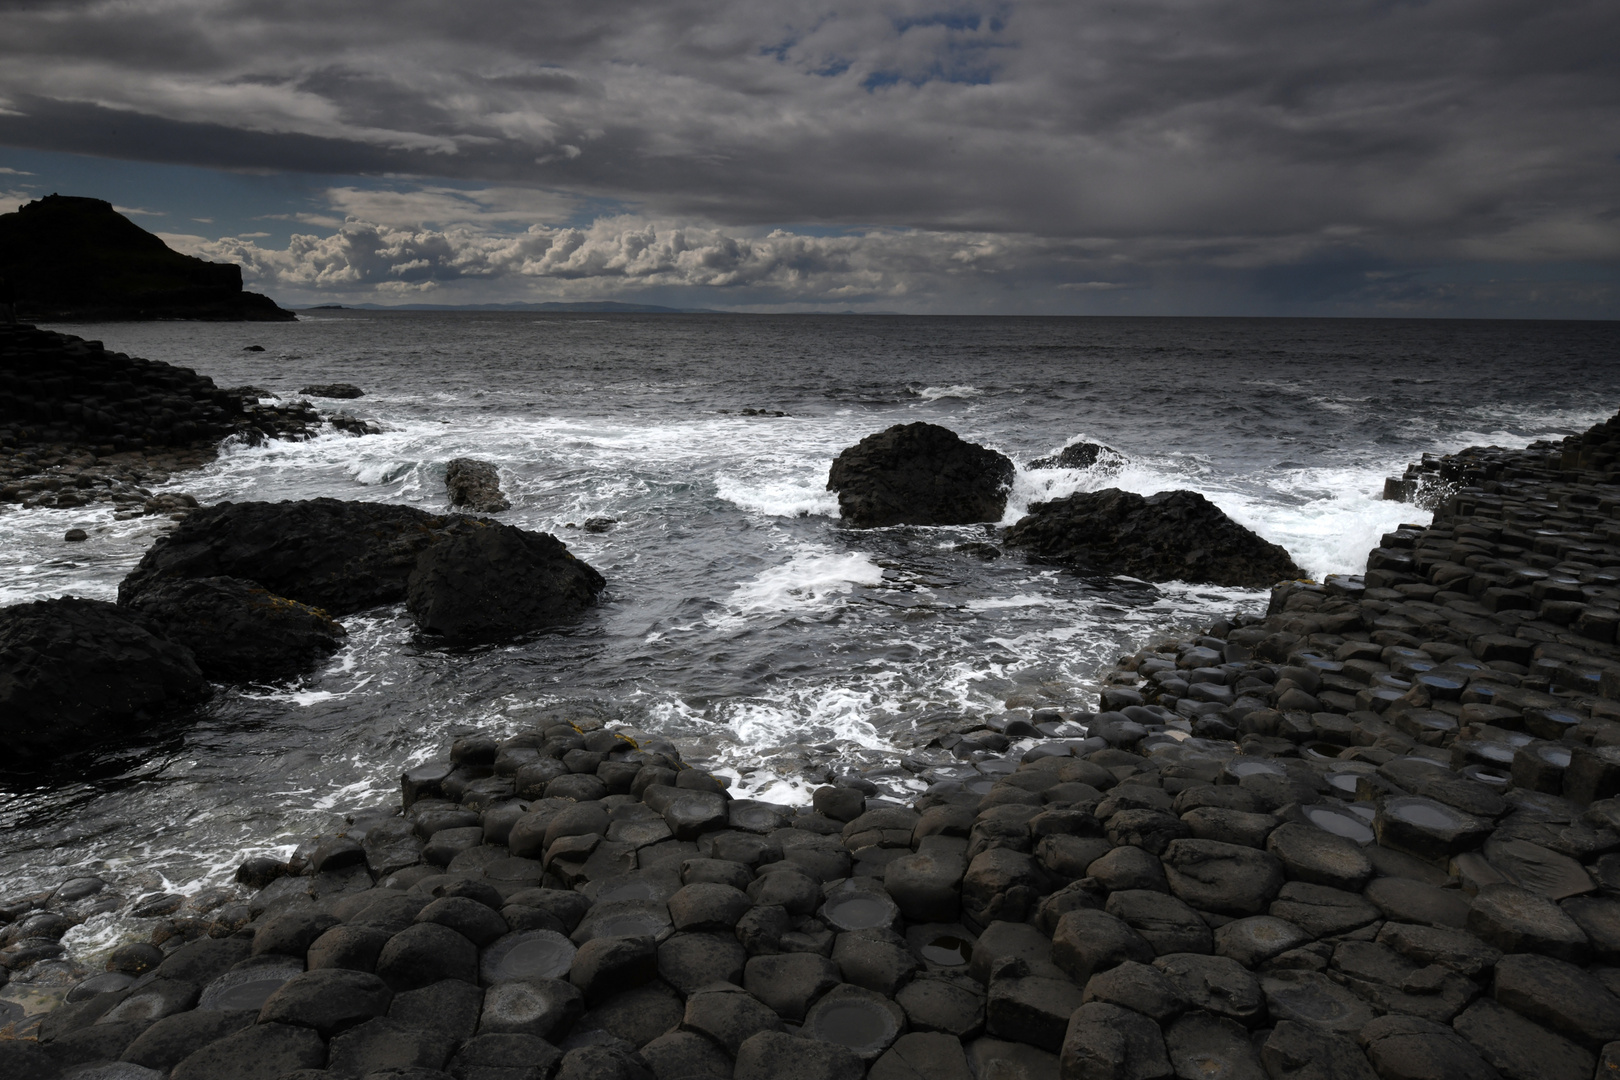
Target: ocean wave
(938, 393)
(782, 496)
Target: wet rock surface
(1083, 455)
(476, 485)
(333, 390)
(237, 631)
(485, 581)
(919, 474)
(1170, 536)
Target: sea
(741, 619)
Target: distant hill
(71, 259)
(600, 306)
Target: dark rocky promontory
(1170, 536)
(919, 474)
(73, 259)
(81, 424)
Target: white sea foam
(1327, 518)
(780, 496)
(937, 393)
(1016, 600)
(809, 580)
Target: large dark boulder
(238, 631)
(75, 671)
(339, 556)
(469, 579)
(486, 581)
(1170, 536)
(919, 474)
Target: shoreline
(1352, 806)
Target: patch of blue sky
(822, 231)
(266, 206)
(967, 67)
(962, 20)
(588, 210)
(780, 49)
(949, 20)
(175, 198)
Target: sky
(1430, 158)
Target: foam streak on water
(741, 618)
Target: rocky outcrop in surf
(241, 593)
(1083, 455)
(466, 578)
(333, 390)
(476, 485)
(484, 581)
(336, 555)
(81, 424)
(919, 474)
(1171, 536)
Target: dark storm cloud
(1238, 135)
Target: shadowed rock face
(919, 474)
(238, 631)
(74, 671)
(489, 581)
(72, 258)
(328, 553)
(1171, 536)
(468, 579)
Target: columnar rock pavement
(1374, 833)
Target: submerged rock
(1171, 536)
(919, 474)
(333, 390)
(74, 671)
(476, 485)
(1083, 455)
(238, 631)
